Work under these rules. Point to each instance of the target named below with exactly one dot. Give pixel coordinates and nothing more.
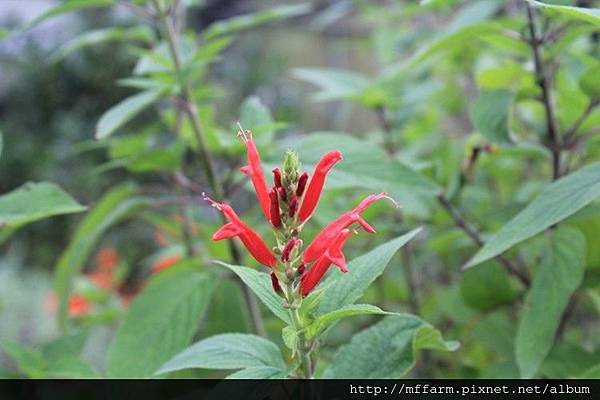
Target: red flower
(255, 172)
(315, 186)
(78, 306)
(275, 213)
(236, 227)
(332, 255)
(324, 239)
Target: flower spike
(237, 228)
(255, 172)
(315, 186)
(333, 255)
(324, 239)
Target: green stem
(191, 111)
(303, 345)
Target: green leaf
(70, 367)
(227, 351)
(592, 373)
(589, 82)
(65, 346)
(115, 206)
(236, 24)
(160, 321)
(558, 276)
(66, 7)
(95, 37)
(328, 319)
(124, 111)
(334, 84)
(584, 14)
(487, 287)
(261, 285)
(346, 288)
(263, 372)
(366, 166)
(558, 201)
(289, 334)
(490, 114)
(28, 361)
(256, 116)
(32, 202)
(387, 349)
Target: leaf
(263, 372)
(346, 288)
(584, 14)
(558, 201)
(65, 7)
(328, 319)
(92, 38)
(32, 202)
(65, 346)
(335, 84)
(227, 351)
(124, 111)
(589, 82)
(387, 349)
(70, 367)
(115, 206)
(366, 166)
(160, 321)
(256, 116)
(236, 24)
(487, 287)
(558, 276)
(28, 361)
(261, 285)
(592, 373)
(490, 114)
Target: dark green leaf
(558, 276)
(490, 114)
(557, 202)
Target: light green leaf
(263, 372)
(92, 38)
(558, 201)
(160, 321)
(584, 14)
(387, 349)
(66, 7)
(28, 361)
(236, 24)
(328, 319)
(70, 367)
(227, 351)
(124, 111)
(65, 346)
(589, 82)
(366, 166)
(335, 84)
(261, 285)
(115, 206)
(32, 202)
(346, 288)
(490, 114)
(256, 116)
(558, 276)
(289, 334)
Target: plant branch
(191, 111)
(543, 81)
(475, 236)
(572, 131)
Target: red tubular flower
(275, 213)
(301, 184)
(293, 206)
(315, 186)
(255, 172)
(275, 283)
(287, 250)
(332, 255)
(324, 239)
(277, 177)
(236, 227)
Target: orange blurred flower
(164, 263)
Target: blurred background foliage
(436, 102)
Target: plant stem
(475, 236)
(191, 111)
(303, 346)
(543, 81)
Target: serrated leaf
(387, 349)
(112, 208)
(160, 322)
(242, 22)
(490, 114)
(558, 276)
(347, 288)
(261, 285)
(227, 351)
(32, 202)
(584, 14)
(124, 111)
(326, 320)
(558, 201)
